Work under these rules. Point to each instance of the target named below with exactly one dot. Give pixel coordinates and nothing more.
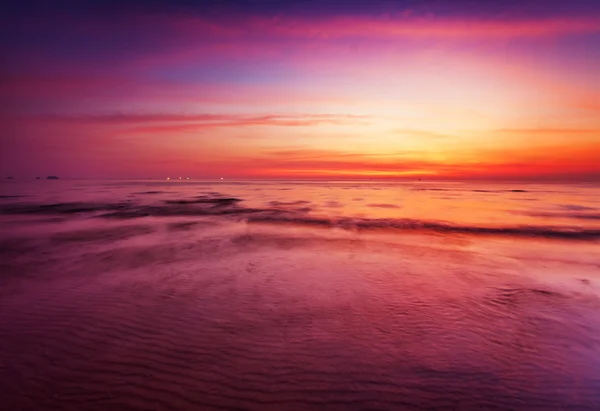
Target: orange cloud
(546, 131)
(422, 134)
(559, 162)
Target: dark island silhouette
(52, 178)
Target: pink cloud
(170, 39)
(589, 100)
(368, 27)
(172, 123)
(375, 28)
(298, 40)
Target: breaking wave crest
(407, 224)
(286, 213)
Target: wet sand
(237, 316)
(216, 302)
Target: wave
(130, 209)
(205, 200)
(289, 203)
(469, 190)
(101, 235)
(572, 215)
(576, 207)
(384, 205)
(406, 224)
(286, 213)
(61, 208)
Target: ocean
(299, 295)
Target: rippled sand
(253, 311)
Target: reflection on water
(461, 203)
(130, 295)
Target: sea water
(299, 295)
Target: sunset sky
(302, 89)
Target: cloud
(566, 163)
(256, 27)
(546, 131)
(300, 154)
(332, 163)
(133, 118)
(586, 100)
(422, 133)
(171, 39)
(169, 123)
(352, 27)
(406, 71)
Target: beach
(237, 295)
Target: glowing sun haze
(432, 90)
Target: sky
(440, 90)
